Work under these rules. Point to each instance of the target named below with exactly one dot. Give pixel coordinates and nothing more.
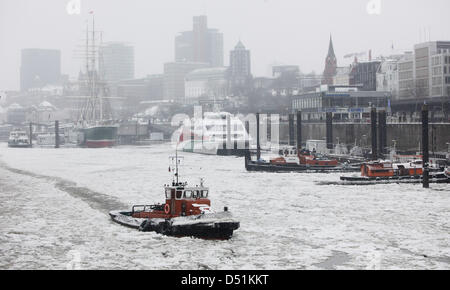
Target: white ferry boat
(18, 139)
(216, 134)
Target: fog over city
(277, 32)
(224, 135)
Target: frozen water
(54, 214)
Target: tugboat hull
(217, 226)
(434, 177)
(269, 167)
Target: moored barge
(379, 172)
(293, 160)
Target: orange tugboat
(292, 160)
(186, 212)
(388, 172)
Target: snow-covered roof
(46, 105)
(151, 111)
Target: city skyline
(152, 31)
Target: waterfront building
(364, 75)
(387, 77)
(345, 102)
(424, 76)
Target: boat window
(179, 194)
(167, 193)
(195, 194)
(188, 194)
(204, 193)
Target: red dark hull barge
(293, 161)
(381, 172)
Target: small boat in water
(186, 212)
(376, 172)
(18, 139)
(293, 160)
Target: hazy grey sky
(281, 31)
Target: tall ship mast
(95, 122)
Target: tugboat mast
(176, 163)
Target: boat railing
(147, 208)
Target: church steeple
(330, 65)
(331, 48)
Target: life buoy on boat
(167, 208)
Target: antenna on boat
(177, 162)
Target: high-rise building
(406, 85)
(424, 76)
(240, 67)
(431, 68)
(330, 65)
(39, 67)
(184, 50)
(116, 61)
(426, 73)
(202, 44)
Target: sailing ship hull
(99, 136)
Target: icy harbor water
(54, 215)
